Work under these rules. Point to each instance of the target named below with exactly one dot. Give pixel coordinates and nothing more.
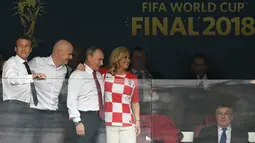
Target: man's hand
(80, 67)
(80, 129)
(137, 128)
(39, 76)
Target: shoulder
(214, 127)
(239, 129)
(37, 59)
(208, 130)
(131, 75)
(78, 74)
(11, 60)
(206, 134)
(132, 78)
(103, 70)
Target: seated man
(224, 131)
(200, 69)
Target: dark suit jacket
(210, 75)
(210, 135)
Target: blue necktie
(223, 137)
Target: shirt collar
(88, 69)
(228, 128)
(51, 62)
(20, 59)
(135, 71)
(204, 77)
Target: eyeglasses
(224, 114)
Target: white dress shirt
(47, 90)
(228, 133)
(82, 92)
(16, 81)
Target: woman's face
(124, 62)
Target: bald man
(54, 67)
(48, 90)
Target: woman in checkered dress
(121, 102)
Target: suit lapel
(213, 135)
(216, 134)
(234, 135)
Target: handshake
(39, 76)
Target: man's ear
(89, 58)
(15, 49)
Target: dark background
(102, 23)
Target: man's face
(224, 117)
(96, 60)
(66, 54)
(23, 48)
(199, 66)
(139, 58)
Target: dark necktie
(223, 137)
(100, 100)
(32, 85)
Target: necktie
(32, 85)
(100, 100)
(223, 137)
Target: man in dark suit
(139, 65)
(224, 131)
(200, 69)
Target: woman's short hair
(116, 55)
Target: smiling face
(65, 54)
(124, 62)
(23, 48)
(119, 60)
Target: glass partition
(170, 111)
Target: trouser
(47, 126)
(101, 133)
(91, 122)
(115, 134)
(14, 121)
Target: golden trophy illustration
(29, 11)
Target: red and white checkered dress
(120, 92)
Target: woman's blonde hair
(116, 55)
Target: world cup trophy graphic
(29, 11)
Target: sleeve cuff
(76, 119)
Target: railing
(172, 98)
(188, 137)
